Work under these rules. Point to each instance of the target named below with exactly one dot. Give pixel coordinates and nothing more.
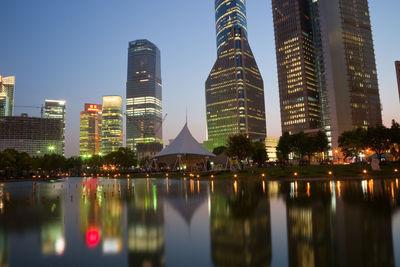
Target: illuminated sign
(93, 108)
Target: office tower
(90, 130)
(36, 136)
(112, 117)
(143, 94)
(297, 72)
(7, 87)
(234, 88)
(331, 40)
(397, 64)
(55, 109)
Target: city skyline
(72, 80)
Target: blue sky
(77, 50)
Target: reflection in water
(105, 222)
(146, 241)
(240, 225)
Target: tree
(378, 139)
(260, 155)
(8, 161)
(302, 145)
(351, 143)
(124, 158)
(219, 150)
(240, 147)
(395, 136)
(284, 147)
(320, 143)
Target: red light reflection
(92, 237)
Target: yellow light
(330, 173)
(295, 174)
(263, 175)
(396, 170)
(364, 171)
(235, 175)
(212, 176)
(198, 176)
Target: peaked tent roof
(185, 144)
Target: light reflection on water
(153, 222)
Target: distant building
(112, 118)
(326, 66)
(36, 136)
(143, 94)
(7, 87)
(234, 89)
(90, 130)
(397, 63)
(270, 145)
(55, 109)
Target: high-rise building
(36, 136)
(397, 64)
(326, 46)
(112, 118)
(55, 109)
(234, 88)
(90, 130)
(143, 94)
(297, 72)
(7, 87)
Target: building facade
(90, 130)
(270, 146)
(56, 109)
(7, 87)
(36, 136)
(234, 89)
(397, 65)
(297, 68)
(112, 118)
(333, 48)
(143, 94)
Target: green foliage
(302, 145)
(239, 147)
(260, 155)
(351, 143)
(124, 158)
(219, 150)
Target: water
(150, 222)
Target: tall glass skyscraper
(229, 14)
(143, 94)
(90, 130)
(326, 47)
(7, 87)
(55, 109)
(234, 89)
(112, 118)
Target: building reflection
(240, 225)
(146, 236)
(353, 227)
(101, 214)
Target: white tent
(184, 148)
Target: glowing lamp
(235, 175)
(364, 171)
(396, 170)
(295, 174)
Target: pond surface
(154, 222)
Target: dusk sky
(76, 50)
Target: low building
(148, 150)
(36, 136)
(270, 145)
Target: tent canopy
(185, 144)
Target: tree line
(302, 147)
(21, 164)
(379, 139)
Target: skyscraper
(55, 109)
(297, 72)
(7, 87)
(234, 88)
(90, 130)
(397, 64)
(143, 94)
(111, 134)
(331, 43)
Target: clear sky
(77, 50)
